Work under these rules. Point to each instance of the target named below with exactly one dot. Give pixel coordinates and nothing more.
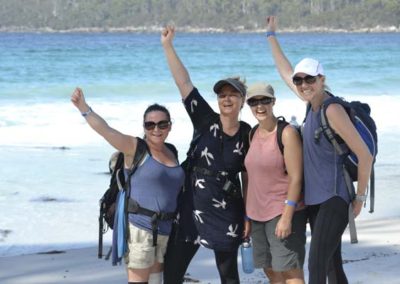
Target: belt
(207, 172)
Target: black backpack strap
(141, 150)
(135, 208)
(326, 129)
(252, 132)
(173, 149)
(281, 124)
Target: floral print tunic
(217, 212)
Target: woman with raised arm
(157, 183)
(274, 165)
(213, 195)
(326, 193)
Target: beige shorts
(141, 253)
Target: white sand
(375, 259)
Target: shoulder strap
(173, 149)
(252, 131)
(326, 129)
(281, 124)
(141, 151)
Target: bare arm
(178, 70)
(342, 125)
(281, 62)
(247, 224)
(124, 143)
(293, 157)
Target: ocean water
(54, 167)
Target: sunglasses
(150, 125)
(255, 102)
(298, 81)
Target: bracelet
(291, 203)
(270, 33)
(84, 114)
(361, 197)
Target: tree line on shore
(226, 15)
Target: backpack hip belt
(134, 208)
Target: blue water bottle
(246, 250)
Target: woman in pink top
(278, 223)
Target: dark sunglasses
(255, 102)
(150, 125)
(298, 81)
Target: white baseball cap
(309, 66)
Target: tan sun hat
(260, 89)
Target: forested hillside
(197, 14)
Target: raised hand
(167, 35)
(78, 99)
(271, 22)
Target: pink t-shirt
(268, 183)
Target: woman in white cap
(325, 188)
(212, 210)
(274, 165)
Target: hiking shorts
(141, 253)
(279, 254)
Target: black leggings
(179, 255)
(328, 221)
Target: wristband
(291, 203)
(361, 197)
(84, 114)
(246, 218)
(270, 33)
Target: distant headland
(212, 16)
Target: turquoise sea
(53, 165)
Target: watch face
(361, 198)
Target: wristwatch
(361, 198)
(84, 114)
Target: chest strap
(134, 208)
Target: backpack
(117, 181)
(360, 115)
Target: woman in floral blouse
(213, 198)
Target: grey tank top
(156, 186)
(323, 167)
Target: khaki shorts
(141, 253)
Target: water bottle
(293, 121)
(246, 250)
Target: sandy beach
(375, 259)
